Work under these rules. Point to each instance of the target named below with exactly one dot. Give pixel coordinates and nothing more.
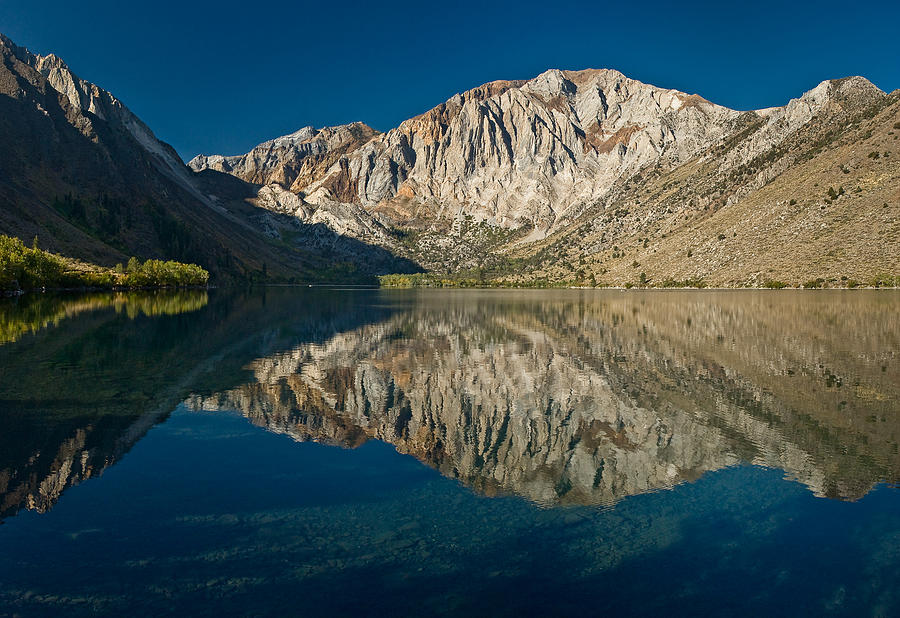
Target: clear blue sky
(220, 77)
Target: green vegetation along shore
(29, 268)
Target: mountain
(291, 159)
(578, 177)
(591, 176)
(529, 153)
(80, 171)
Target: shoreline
(9, 294)
(630, 288)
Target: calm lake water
(310, 452)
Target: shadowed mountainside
(80, 171)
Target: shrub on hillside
(158, 273)
(25, 268)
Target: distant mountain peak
(284, 159)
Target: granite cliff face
(579, 401)
(83, 96)
(514, 154)
(532, 153)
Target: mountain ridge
(488, 177)
(552, 180)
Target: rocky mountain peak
(290, 157)
(92, 102)
(853, 89)
(10, 47)
(513, 153)
(530, 153)
(300, 135)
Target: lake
(311, 451)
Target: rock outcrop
(292, 161)
(533, 153)
(89, 103)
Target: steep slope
(530, 153)
(279, 169)
(85, 175)
(510, 153)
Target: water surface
(317, 451)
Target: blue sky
(220, 77)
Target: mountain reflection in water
(586, 398)
(562, 397)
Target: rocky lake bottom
(320, 451)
